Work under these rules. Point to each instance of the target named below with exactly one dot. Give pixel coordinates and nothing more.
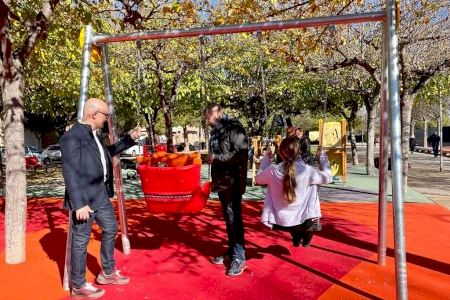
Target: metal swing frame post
(84, 87)
(390, 98)
(113, 139)
(396, 150)
(203, 93)
(384, 152)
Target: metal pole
(84, 91)
(203, 90)
(84, 83)
(262, 75)
(383, 164)
(67, 262)
(140, 75)
(113, 138)
(249, 27)
(396, 154)
(441, 162)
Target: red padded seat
(173, 189)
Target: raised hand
(135, 133)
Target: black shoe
(236, 268)
(296, 238)
(221, 259)
(307, 237)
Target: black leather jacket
(229, 144)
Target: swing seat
(173, 189)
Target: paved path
(425, 177)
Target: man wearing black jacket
(88, 176)
(434, 140)
(228, 147)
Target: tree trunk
(150, 129)
(406, 106)
(370, 147)
(12, 87)
(169, 130)
(12, 84)
(163, 103)
(425, 132)
(185, 135)
(412, 127)
(351, 128)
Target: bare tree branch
(287, 9)
(347, 63)
(425, 75)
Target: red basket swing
(174, 188)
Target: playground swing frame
(390, 102)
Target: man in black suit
(88, 176)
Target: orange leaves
(167, 9)
(171, 159)
(186, 7)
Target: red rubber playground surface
(170, 256)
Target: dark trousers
(302, 232)
(435, 150)
(231, 199)
(105, 217)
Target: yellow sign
(314, 136)
(256, 143)
(332, 135)
(333, 138)
(96, 52)
(338, 162)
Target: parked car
(31, 150)
(182, 146)
(137, 149)
(163, 147)
(52, 154)
(33, 162)
(33, 157)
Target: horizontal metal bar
(249, 27)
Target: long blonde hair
(289, 152)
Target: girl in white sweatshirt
(292, 201)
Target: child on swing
(292, 201)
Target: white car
(52, 154)
(137, 149)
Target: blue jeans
(105, 217)
(231, 199)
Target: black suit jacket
(82, 167)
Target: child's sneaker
(236, 268)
